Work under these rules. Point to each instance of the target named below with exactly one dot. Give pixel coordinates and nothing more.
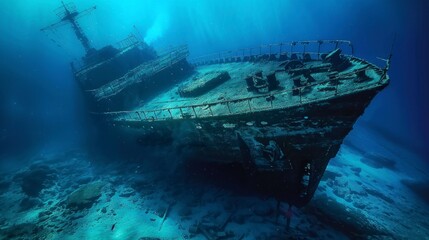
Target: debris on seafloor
(164, 217)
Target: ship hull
(285, 151)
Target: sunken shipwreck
(280, 110)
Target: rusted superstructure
(281, 110)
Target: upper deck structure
(302, 78)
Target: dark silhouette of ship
(280, 110)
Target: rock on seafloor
(85, 196)
(346, 220)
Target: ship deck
(232, 97)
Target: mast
(69, 15)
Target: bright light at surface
(158, 28)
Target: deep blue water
(42, 109)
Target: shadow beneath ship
(232, 177)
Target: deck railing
(79, 66)
(278, 50)
(146, 69)
(129, 41)
(297, 96)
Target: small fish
(113, 226)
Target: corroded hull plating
(307, 136)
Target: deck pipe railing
(129, 41)
(205, 110)
(78, 66)
(284, 50)
(167, 59)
